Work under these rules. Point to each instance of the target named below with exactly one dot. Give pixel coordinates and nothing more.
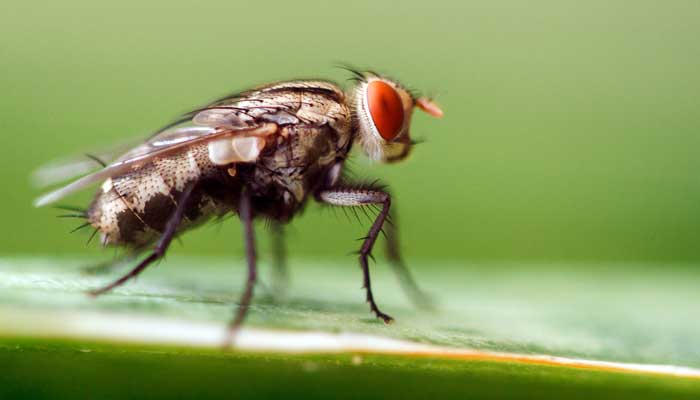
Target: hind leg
(161, 246)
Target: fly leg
(393, 254)
(350, 197)
(280, 278)
(245, 213)
(160, 247)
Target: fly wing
(61, 170)
(72, 167)
(234, 127)
(163, 144)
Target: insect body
(260, 154)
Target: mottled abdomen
(133, 209)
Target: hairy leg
(161, 245)
(352, 197)
(245, 213)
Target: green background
(554, 210)
(571, 128)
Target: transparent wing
(162, 144)
(258, 110)
(170, 139)
(61, 170)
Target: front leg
(393, 254)
(351, 197)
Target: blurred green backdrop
(571, 128)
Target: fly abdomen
(134, 208)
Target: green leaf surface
(627, 313)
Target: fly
(262, 153)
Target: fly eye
(385, 108)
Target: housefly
(261, 153)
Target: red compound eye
(385, 108)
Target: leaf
(633, 314)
